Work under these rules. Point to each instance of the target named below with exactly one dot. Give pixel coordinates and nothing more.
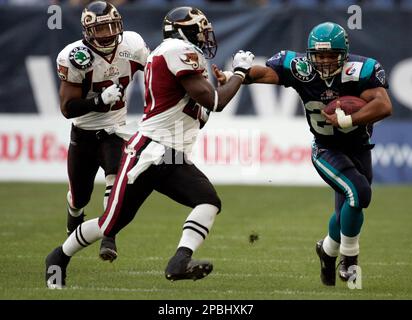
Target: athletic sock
(351, 221)
(330, 246)
(197, 226)
(109, 185)
(349, 245)
(84, 235)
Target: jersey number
(318, 121)
(100, 86)
(191, 109)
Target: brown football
(349, 104)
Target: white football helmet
(102, 26)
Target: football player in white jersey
(178, 100)
(94, 74)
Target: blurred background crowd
(302, 3)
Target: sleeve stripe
(288, 58)
(367, 68)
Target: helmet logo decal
(81, 57)
(190, 59)
(323, 45)
(105, 18)
(302, 69)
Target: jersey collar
(112, 55)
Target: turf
(281, 264)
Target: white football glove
(242, 62)
(111, 94)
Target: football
(349, 104)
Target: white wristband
(344, 121)
(240, 73)
(228, 75)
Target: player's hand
(338, 119)
(221, 76)
(111, 94)
(332, 118)
(242, 62)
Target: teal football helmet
(328, 49)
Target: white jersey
(82, 65)
(171, 117)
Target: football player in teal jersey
(341, 150)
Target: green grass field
(282, 264)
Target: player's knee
(214, 200)
(80, 201)
(77, 202)
(365, 195)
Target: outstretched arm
(260, 74)
(202, 91)
(257, 74)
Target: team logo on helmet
(81, 57)
(302, 69)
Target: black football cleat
(73, 222)
(56, 265)
(327, 266)
(345, 272)
(182, 267)
(108, 250)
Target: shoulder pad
(134, 47)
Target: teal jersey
(358, 74)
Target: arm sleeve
(280, 62)
(66, 71)
(373, 76)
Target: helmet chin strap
(323, 77)
(108, 49)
